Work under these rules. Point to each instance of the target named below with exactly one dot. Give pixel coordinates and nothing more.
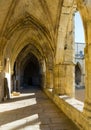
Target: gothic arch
(78, 73)
(85, 15)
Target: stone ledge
(73, 102)
(72, 108)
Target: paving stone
(45, 127)
(33, 113)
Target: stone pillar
(17, 76)
(49, 79)
(59, 79)
(70, 80)
(87, 103)
(42, 74)
(1, 83)
(64, 79)
(69, 54)
(83, 75)
(8, 75)
(70, 71)
(12, 80)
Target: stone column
(87, 103)
(1, 83)
(12, 80)
(64, 68)
(70, 71)
(8, 75)
(49, 79)
(83, 75)
(68, 57)
(17, 75)
(59, 79)
(64, 79)
(42, 74)
(70, 80)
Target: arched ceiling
(34, 20)
(28, 19)
(40, 13)
(44, 10)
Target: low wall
(72, 108)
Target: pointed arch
(78, 73)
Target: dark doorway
(31, 74)
(77, 74)
(28, 71)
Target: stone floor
(80, 94)
(33, 111)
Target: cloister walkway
(33, 110)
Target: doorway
(31, 73)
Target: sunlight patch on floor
(24, 122)
(17, 104)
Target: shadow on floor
(39, 113)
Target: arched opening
(27, 73)
(31, 73)
(79, 30)
(28, 70)
(77, 75)
(79, 58)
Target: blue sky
(79, 32)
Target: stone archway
(31, 73)
(29, 70)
